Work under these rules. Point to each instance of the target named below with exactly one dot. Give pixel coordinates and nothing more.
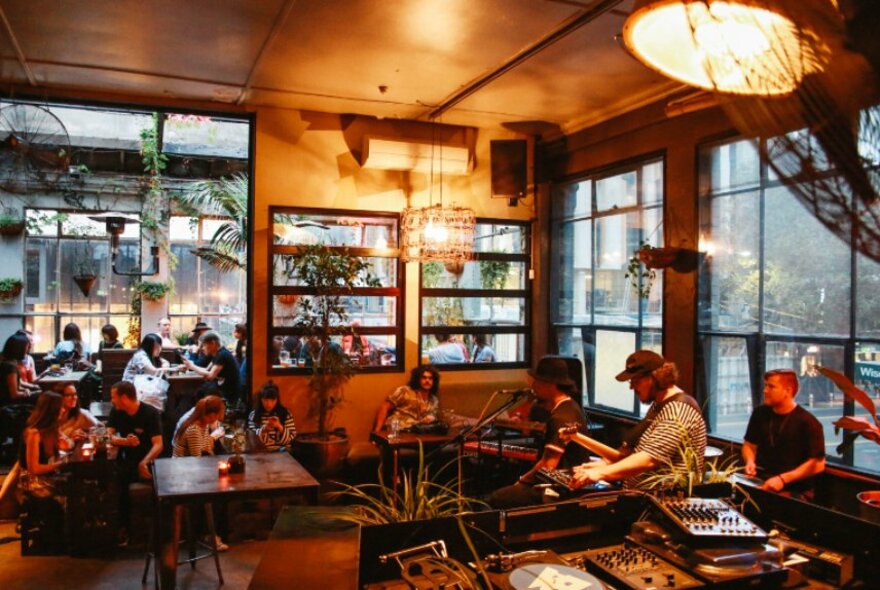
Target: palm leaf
(850, 390)
(222, 261)
(860, 425)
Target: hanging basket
(11, 293)
(12, 229)
(659, 257)
(85, 283)
(288, 299)
(455, 268)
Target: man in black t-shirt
(223, 370)
(784, 443)
(552, 385)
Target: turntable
(536, 570)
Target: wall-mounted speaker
(509, 159)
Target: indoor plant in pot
(12, 222)
(328, 277)
(10, 287)
(83, 269)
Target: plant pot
(85, 283)
(659, 257)
(869, 505)
(322, 456)
(288, 299)
(455, 268)
(12, 229)
(10, 294)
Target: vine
(155, 206)
(133, 337)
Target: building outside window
(778, 290)
(476, 314)
(598, 313)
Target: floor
(119, 573)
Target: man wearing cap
(195, 351)
(222, 370)
(657, 440)
(552, 387)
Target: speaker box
(509, 166)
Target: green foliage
(154, 290)
(331, 275)
(493, 273)
(155, 206)
(8, 218)
(640, 276)
(418, 498)
(181, 338)
(431, 273)
(133, 337)
(9, 288)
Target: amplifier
(822, 564)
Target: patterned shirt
(195, 442)
(271, 438)
(410, 409)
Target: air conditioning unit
(395, 154)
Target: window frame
(397, 292)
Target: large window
(599, 310)
(374, 311)
(778, 290)
(476, 314)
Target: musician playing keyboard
(553, 388)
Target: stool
(192, 542)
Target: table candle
(223, 468)
(87, 450)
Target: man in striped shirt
(673, 423)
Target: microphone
(517, 393)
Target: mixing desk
(633, 567)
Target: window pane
(42, 222)
(572, 277)
(612, 348)
(202, 135)
(79, 257)
(42, 274)
(76, 224)
(364, 311)
(500, 238)
(730, 399)
(43, 329)
(867, 377)
(806, 271)
(498, 348)
(382, 269)
(364, 351)
(361, 232)
(652, 183)
(101, 128)
(483, 274)
(614, 192)
(616, 301)
(731, 166)
(185, 299)
(732, 279)
(464, 311)
(572, 200)
(868, 297)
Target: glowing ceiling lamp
(750, 47)
(436, 233)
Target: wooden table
(48, 381)
(389, 448)
(194, 480)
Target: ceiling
(537, 66)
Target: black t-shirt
(227, 378)
(567, 413)
(785, 441)
(6, 368)
(145, 424)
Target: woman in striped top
(270, 420)
(193, 438)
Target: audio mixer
(708, 519)
(633, 566)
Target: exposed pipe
(22, 60)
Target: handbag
(151, 390)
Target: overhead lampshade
(437, 234)
(749, 47)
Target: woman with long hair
(142, 362)
(109, 338)
(72, 348)
(75, 421)
(193, 437)
(41, 436)
(270, 420)
(412, 404)
(14, 351)
(27, 368)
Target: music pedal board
(634, 567)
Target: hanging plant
(10, 288)
(11, 223)
(154, 290)
(640, 275)
(83, 273)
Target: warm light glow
(707, 246)
(734, 46)
(381, 242)
(437, 233)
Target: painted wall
(311, 159)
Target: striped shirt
(271, 438)
(676, 425)
(195, 442)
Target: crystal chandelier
(436, 233)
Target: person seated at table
(11, 390)
(240, 333)
(27, 368)
(553, 388)
(270, 420)
(193, 437)
(39, 458)
(109, 338)
(75, 421)
(136, 429)
(142, 362)
(222, 372)
(216, 427)
(194, 349)
(72, 348)
(412, 404)
(354, 343)
(164, 333)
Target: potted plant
(331, 276)
(83, 274)
(641, 276)
(10, 288)
(12, 222)
(869, 501)
(154, 290)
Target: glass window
(778, 290)
(373, 310)
(477, 312)
(601, 313)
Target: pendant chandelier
(744, 47)
(436, 233)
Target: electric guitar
(570, 433)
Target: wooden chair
(113, 362)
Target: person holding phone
(270, 420)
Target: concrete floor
(122, 572)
